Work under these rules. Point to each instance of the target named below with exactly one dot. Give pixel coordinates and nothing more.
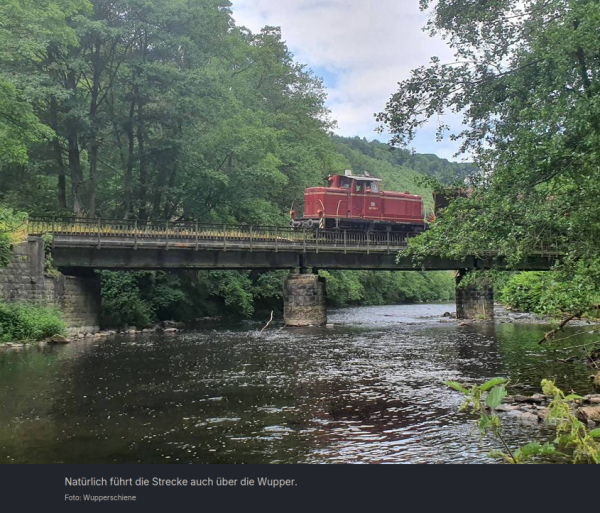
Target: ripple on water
(367, 391)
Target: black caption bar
(290, 487)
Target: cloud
(363, 47)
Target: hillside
(423, 163)
(400, 169)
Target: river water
(367, 390)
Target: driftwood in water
(548, 336)
(267, 325)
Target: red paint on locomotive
(358, 202)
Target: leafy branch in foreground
(571, 433)
(488, 418)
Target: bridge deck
(117, 244)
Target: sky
(362, 49)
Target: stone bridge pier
(304, 299)
(473, 301)
(25, 280)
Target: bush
(573, 289)
(29, 322)
(525, 292)
(122, 302)
(387, 287)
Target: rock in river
(59, 339)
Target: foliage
(386, 287)
(571, 433)
(143, 298)
(554, 293)
(122, 301)
(160, 109)
(13, 229)
(526, 79)
(473, 402)
(20, 322)
(235, 288)
(524, 292)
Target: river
(368, 390)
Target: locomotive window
(358, 187)
(346, 183)
(375, 187)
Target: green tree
(526, 80)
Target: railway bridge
(81, 245)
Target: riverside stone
(589, 413)
(59, 339)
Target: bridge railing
(191, 234)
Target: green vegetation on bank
(20, 322)
(548, 293)
(387, 288)
(146, 297)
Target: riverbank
(504, 315)
(163, 327)
(534, 409)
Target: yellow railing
(198, 234)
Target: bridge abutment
(304, 300)
(474, 300)
(25, 280)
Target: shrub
(525, 291)
(122, 301)
(29, 322)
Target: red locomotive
(357, 203)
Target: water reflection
(367, 390)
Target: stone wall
(304, 300)
(24, 281)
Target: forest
(147, 109)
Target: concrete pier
(474, 301)
(304, 300)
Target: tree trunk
(130, 161)
(77, 178)
(143, 213)
(94, 129)
(60, 165)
